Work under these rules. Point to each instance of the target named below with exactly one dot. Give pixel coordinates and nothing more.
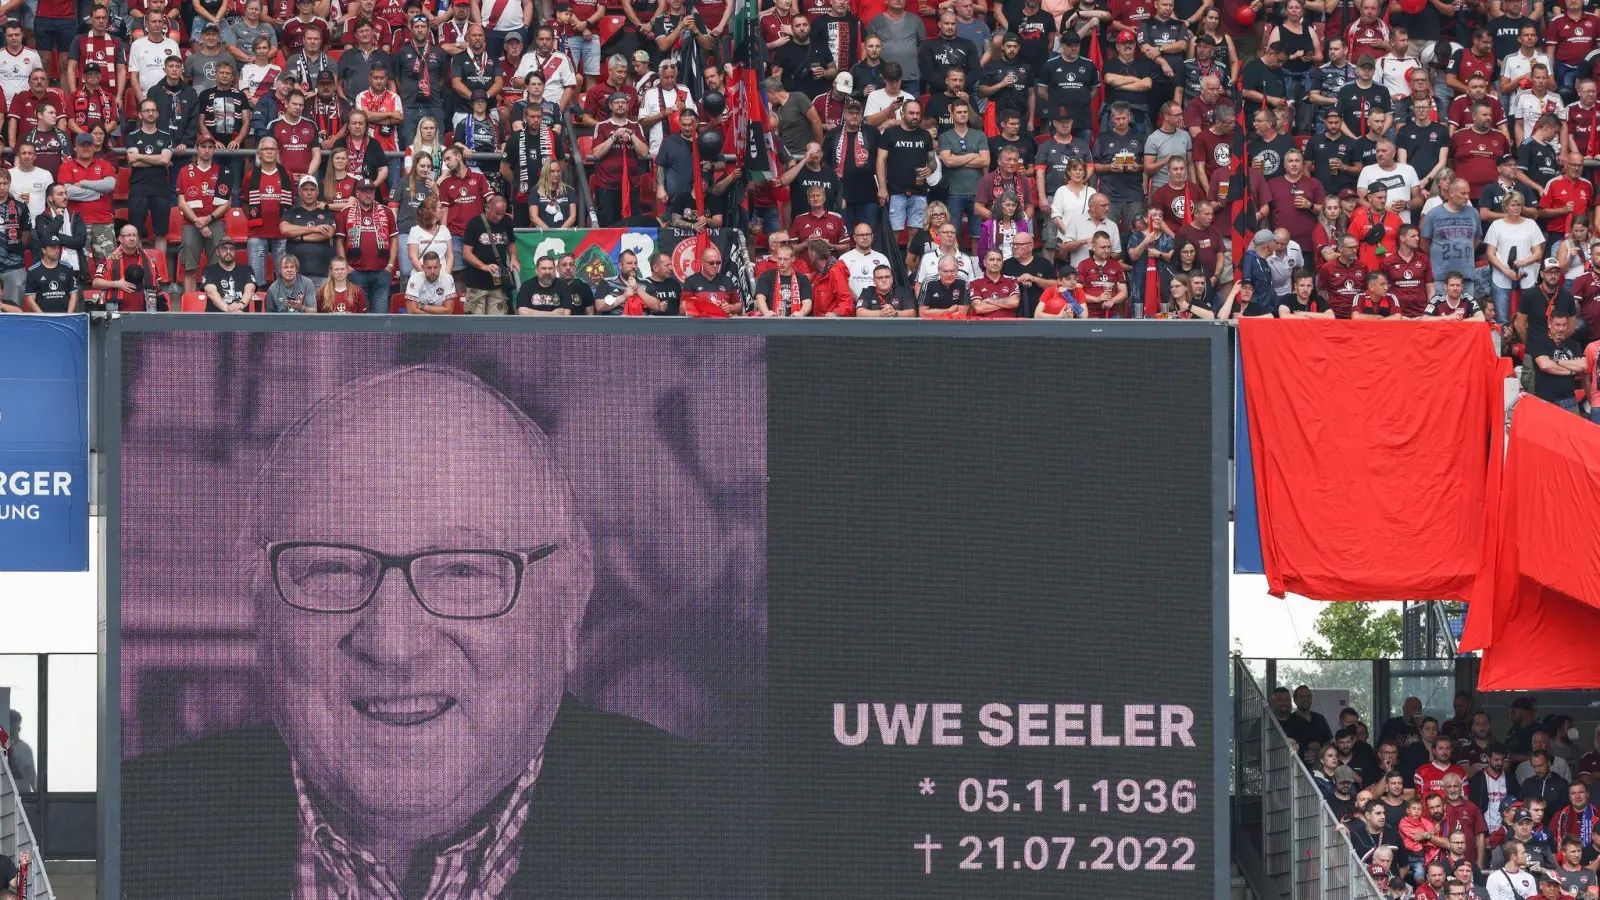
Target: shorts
(101, 240)
(585, 53)
(194, 244)
(907, 209)
(154, 204)
(480, 302)
(54, 34)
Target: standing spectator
(24, 111)
(491, 266)
(58, 223)
(268, 191)
(1451, 232)
(1580, 818)
(502, 18)
(1510, 882)
(660, 106)
(428, 234)
(49, 140)
(1462, 815)
(200, 68)
(366, 157)
(964, 151)
(55, 31)
(1129, 80)
(308, 229)
(418, 185)
(91, 104)
(1430, 776)
(560, 81)
(473, 69)
(1104, 280)
(150, 195)
(1294, 199)
(309, 66)
(97, 48)
(530, 152)
(1492, 788)
(294, 33)
(15, 227)
(384, 116)
(147, 55)
(905, 160)
(619, 144)
(820, 222)
(296, 135)
(900, 34)
(244, 30)
(851, 152)
(994, 294)
(90, 183)
(1542, 783)
(369, 241)
(30, 183)
(421, 68)
(17, 64)
(202, 200)
(1118, 155)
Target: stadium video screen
(566, 614)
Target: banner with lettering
(44, 443)
(598, 251)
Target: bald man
(415, 625)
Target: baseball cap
(641, 56)
(1343, 774)
(1506, 158)
(324, 77)
(95, 68)
(210, 26)
(844, 84)
(1521, 815)
(510, 36)
(1266, 237)
(49, 239)
(615, 95)
(478, 94)
(228, 241)
(1348, 194)
(1366, 62)
(1125, 36)
(85, 140)
(1061, 113)
(307, 179)
(1070, 37)
(363, 184)
(1550, 263)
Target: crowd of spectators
(1455, 810)
(1026, 158)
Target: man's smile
(410, 710)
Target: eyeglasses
(451, 584)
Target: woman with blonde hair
(416, 187)
(426, 143)
(923, 239)
(552, 206)
(339, 294)
(339, 188)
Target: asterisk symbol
(926, 787)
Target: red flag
(1242, 214)
(1152, 286)
(699, 199)
(991, 126)
(1097, 60)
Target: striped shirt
(477, 866)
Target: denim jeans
(963, 214)
(856, 213)
(405, 260)
(907, 210)
(1502, 300)
(585, 53)
(259, 248)
(376, 286)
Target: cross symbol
(927, 847)
(925, 786)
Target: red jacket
(830, 291)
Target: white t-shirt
(1528, 109)
(1520, 239)
(1394, 73)
(1066, 205)
(1401, 178)
(430, 293)
(510, 17)
(860, 266)
(879, 100)
(1080, 228)
(148, 60)
(437, 240)
(656, 99)
(1500, 886)
(14, 71)
(1517, 66)
(560, 78)
(34, 183)
(928, 266)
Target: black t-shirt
(1120, 187)
(1505, 31)
(1257, 76)
(719, 290)
(582, 296)
(491, 244)
(1536, 305)
(937, 110)
(1029, 293)
(230, 283)
(796, 61)
(477, 74)
(778, 294)
(908, 150)
(1014, 97)
(803, 181)
(222, 112)
(150, 144)
(1538, 161)
(534, 295)
(1494, 197)
(1322, 150)
(51, 288)
(1270, 153)
(1139, 68)
(1036, 31)
(1423, 144)
(1070, 84)
(1545, 385)
(1355, 102)
(669, 292)
(938, 295)
(1026, 148)
(899, 297)
(1364, 152)
(314, 256)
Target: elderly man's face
(395, 714)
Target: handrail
(586, 211)
(16, 836)
(1280, 812)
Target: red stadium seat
(397, 302)
(586, 148)
(175, 226)
(609, 26)
(120, 192)
(193, 302)
(237, 225)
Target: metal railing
(1278, 811)
(16, 837)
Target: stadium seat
(586, 148)
(193, 302)
(120, 192)
(237, 225)
(609, 26)
(397, 302)
(175, 226)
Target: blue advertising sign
(44, 443)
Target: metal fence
(1430, 630)
(16, 837)
(1279, 816)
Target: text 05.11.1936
(1128, 795)
(1055, 854)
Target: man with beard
(229, 286)
(619, 146)
(582, 294)
(1473, 748)
(150, 194)
(840, 31)
(806, 66)
(1492, 787)
(1331, 154)
(1261, 84)
(850, 152)
(1005, 81)
(946, 52)
(1214, 150)
(937, 112)
(1344, 278)
(528, 150)
(421, 67)
(905, 160)
(1268, 148)
(1033, 274)
(1129, 80)
(615, 292)
(1329, 79)
(473, 69)
(1410, 275)
(662, 292)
